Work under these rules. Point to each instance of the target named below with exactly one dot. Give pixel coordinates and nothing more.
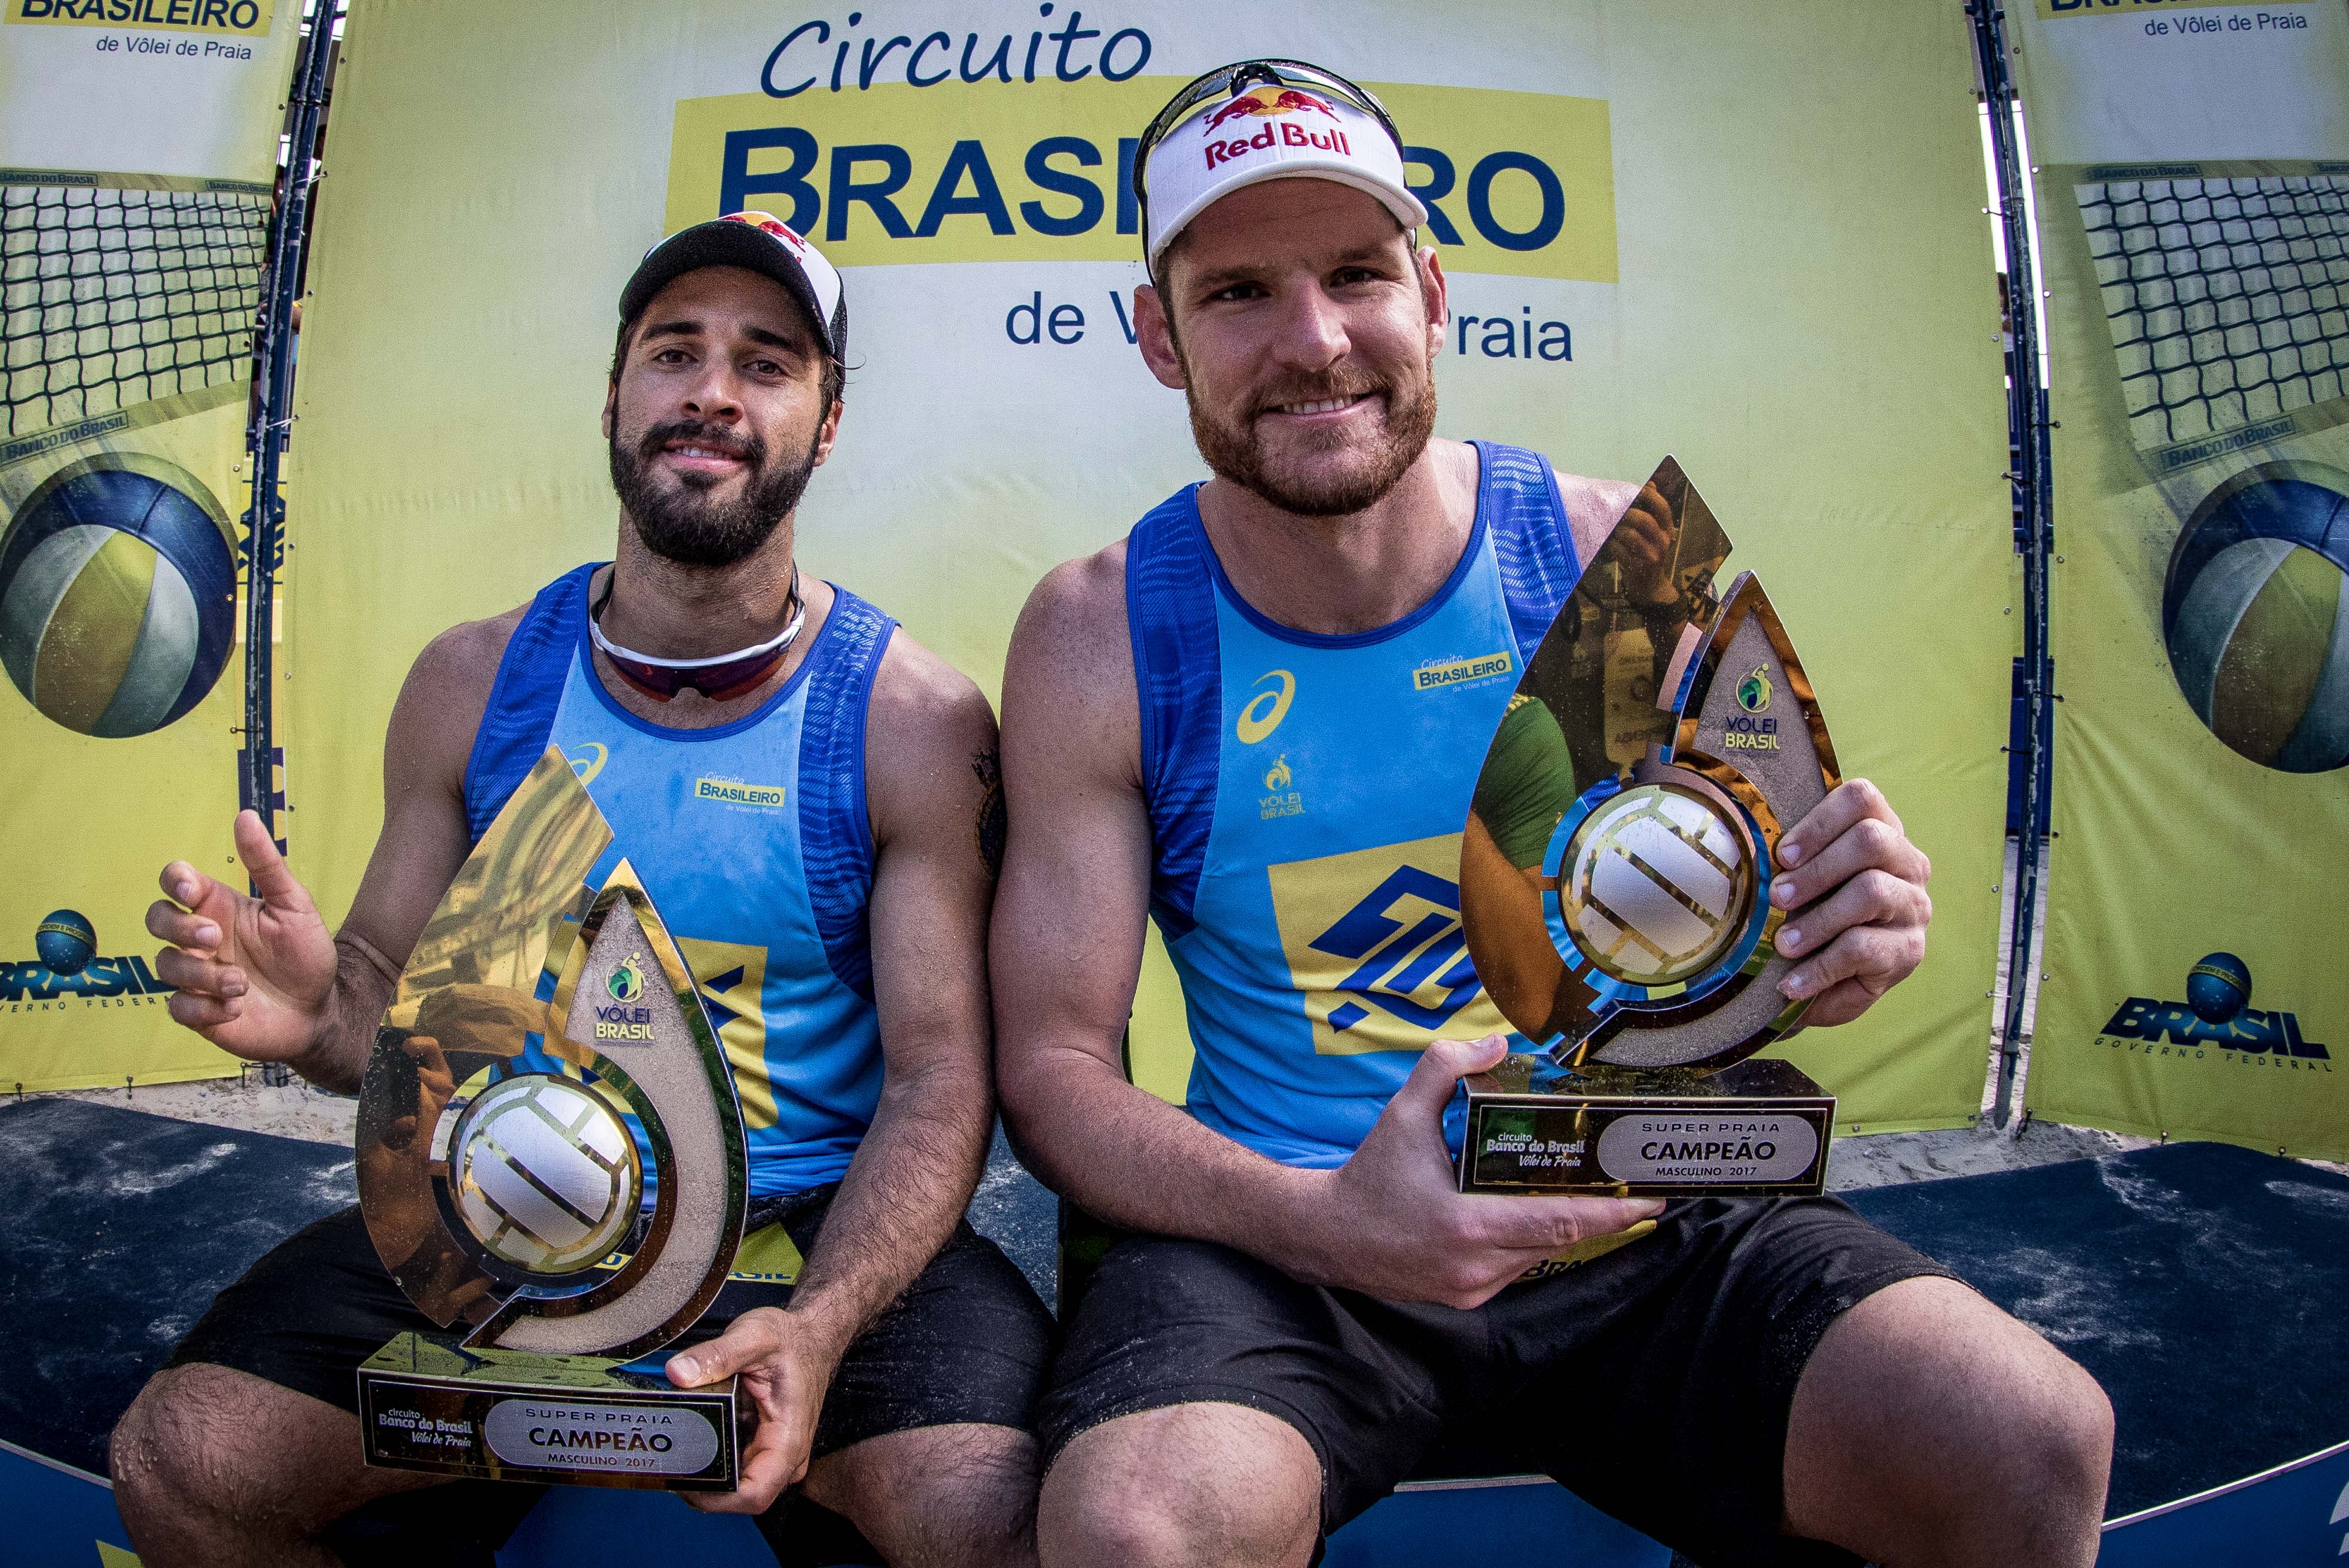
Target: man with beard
(1215, 720)
(897, 1376)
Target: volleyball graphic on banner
(2257, 619)
(545, 1173)
(118, 595)
(1655, 886)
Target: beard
(1365, 469)
(682, 521)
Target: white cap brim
(1398, 199)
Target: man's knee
(963, 1493)
(2061, 1438)
(2042, 1463)
(207, 1454)
(1189, 1484)
(174, 1454)
(159, 1454)
(1932, 1427)
(2039, 1424)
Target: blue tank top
(1306, 796)
(752, 837)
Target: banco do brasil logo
(66, 970)
(1415, 970)
(2216, 1015)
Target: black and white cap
(761, 243)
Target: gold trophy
(1615, 882)
(551, 1163)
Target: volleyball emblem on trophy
(2255, 613)
(118, 595)
(546, 1174)
(1658, 885)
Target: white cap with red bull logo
(1271, 132)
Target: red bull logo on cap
(1265, 102)
(1272, 104)
(773, 226)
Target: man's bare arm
(1066, 948)
(930, 781)
(259, 977)
(930, 772)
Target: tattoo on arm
(988, 831)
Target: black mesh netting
(113, 298)
(2229, 299)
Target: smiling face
(718, 411)
(1302, 328)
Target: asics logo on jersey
(1268, 708)
(1412, 953)
(588, 760)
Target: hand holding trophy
(1616, 882)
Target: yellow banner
(135, 212)
(249, 18)
(119, 628)
(1816, 337)
(1516, 183)
(2278, 19)
(2200, 618)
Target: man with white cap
(834, 913)
(1215, 720)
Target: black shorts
(1654, 1381)
(968, 1341)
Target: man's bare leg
(1190, 1484)
(1929, 1429)
(964, 1493)
(213, 1466)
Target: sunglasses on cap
(1230, 81)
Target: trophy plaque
(1615, 882)
(551, 1164)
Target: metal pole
(264, 518)
(2033, 537)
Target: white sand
(296, 1110)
